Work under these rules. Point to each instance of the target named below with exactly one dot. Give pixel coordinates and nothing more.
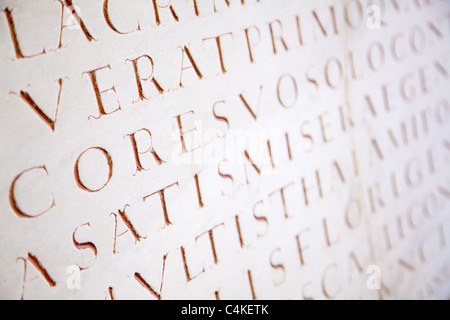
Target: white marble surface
(343, 107)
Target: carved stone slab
(224, 149)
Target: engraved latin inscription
(224, 149)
